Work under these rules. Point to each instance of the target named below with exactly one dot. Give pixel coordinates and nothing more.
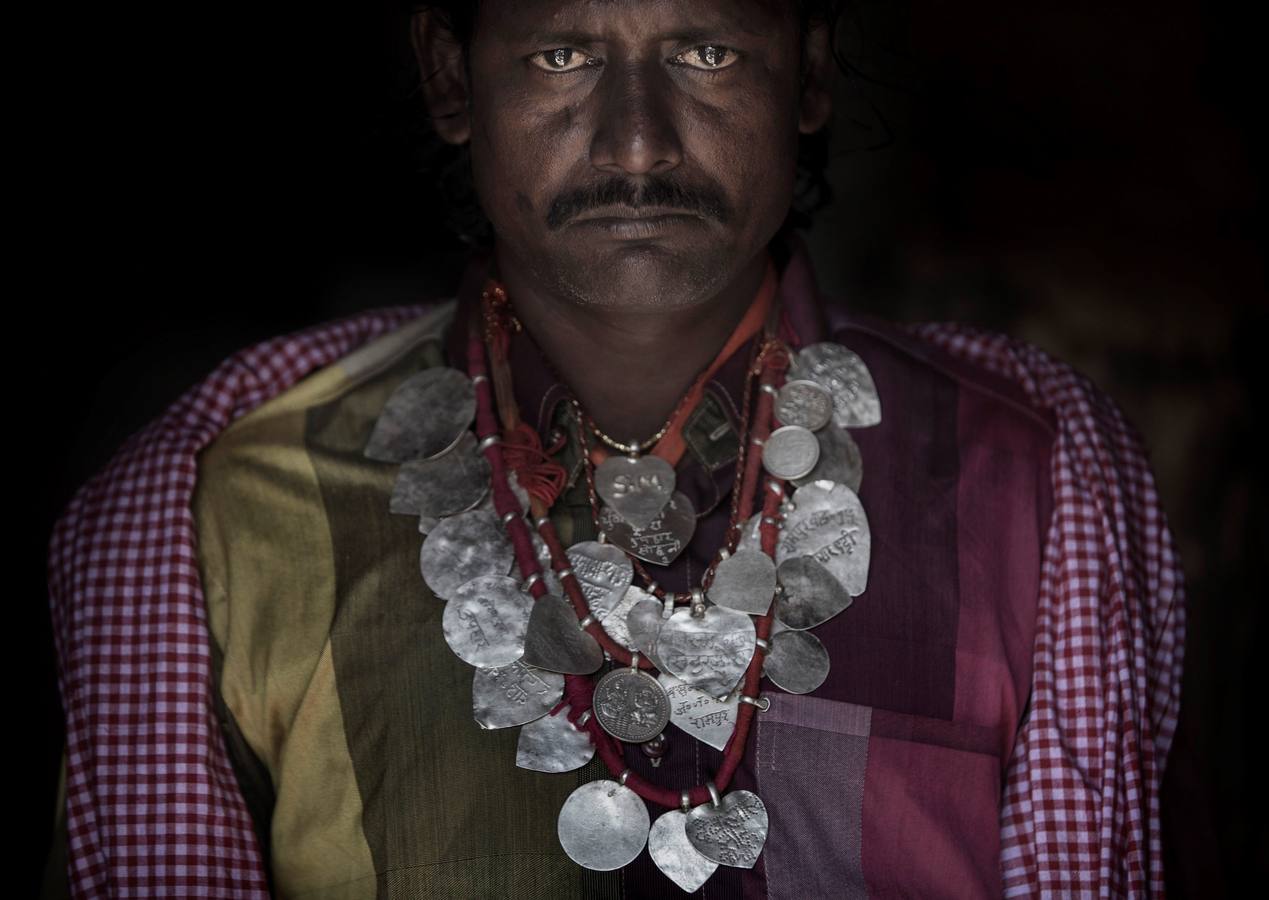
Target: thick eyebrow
(683, 35)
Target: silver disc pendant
(829, 525)
(555, 642)
(708, 720)
(463, 547)
(637, 489)
(797, 662)
(513, 695)
(631, 705)
(674, 854)
(603, 826)
(790, 452)
(744, 581)
(709, 653)
(664, 538)
(455, 481)
(730, 832)
(424, 416)
(847, 379)
(603, 573)
(485, 621)
(804, 403)
(553, 744)
(840, 459)
(810, 595)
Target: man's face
(634, 154)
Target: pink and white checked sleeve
(1081, 805)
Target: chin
(649, 276)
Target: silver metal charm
(844, 375)
(463, 547)
(456, 480)
(798, 662)
(662, 540)
(425, 415)
(708, 720)
(811, 595)
(744, 581)
(555, 641)
(603, 573)
(614, 622)
(637, 489)
(643, 623)
(791, 452)
(711, 652)
(631, 705)
(731, 831)
(603, 825)
(513, 695)
(485, 621)
(804, 403)
(840, 459)
(674, 854)
(828, 524)
(553, 744)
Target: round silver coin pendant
(805, 403)
(463, 547)
(631, 705)
(797, 663)
(791, 452)
(603, 826)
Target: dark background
(1082, 175)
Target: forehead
(534, 20)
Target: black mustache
(706, 200)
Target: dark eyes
(705, 58)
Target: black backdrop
(1083, 176)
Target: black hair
(452, 165)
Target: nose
(636, 133)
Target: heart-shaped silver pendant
(745, 582)
(810, 595)
(555, 642)
(730, 832)
(425, 415)
(662, 540)
(797, 662)
(643, 623)
(553, 744)
(829, 525)
(708, 720)
(513, 694)
(637, 489)
(840, 459)
(603, 572)
(711, 652)
(844, 375)
(456, 480)
(674, 854)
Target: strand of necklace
(578, 689)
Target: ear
(444, 77)
(816, 102)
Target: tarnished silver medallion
(556, 643)
(463, 547)
(637, 489)
(553, 744)
(732, 832)
(485, 621)
(709, 653)
(603, 826)
(662, 540)
(840, 459)
(674, 854)
(513, 695)
(603, 573)
(744, 581)
(456, 480)
(643, 623)
(804, 403)
(844, 375)
(810, 595)
(791, 452)
(425, 415)
(797, 662)
(708, 720)
(829, 525)
(631, 705)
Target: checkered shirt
(153, 808)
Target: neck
(630, 367)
